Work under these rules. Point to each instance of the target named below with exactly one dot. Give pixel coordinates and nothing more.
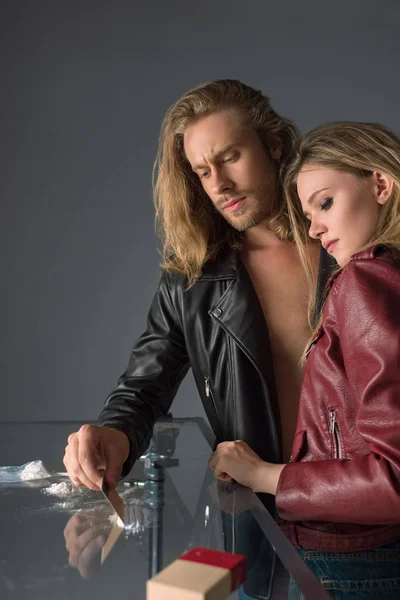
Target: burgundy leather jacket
(341, 490)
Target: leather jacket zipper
(334, 431)
(207, 385)
(257, 368)
(209, 394)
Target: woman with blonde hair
(339, 496)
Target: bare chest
(281, 288)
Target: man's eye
(230, 158)
(326, 203)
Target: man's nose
(220, 182)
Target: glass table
(61, 542)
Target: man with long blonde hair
(232, 299)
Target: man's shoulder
(224, 266)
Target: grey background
(83, 89)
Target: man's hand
(236, 460)
(94, 452)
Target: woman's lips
(330, 247)
(234, 205)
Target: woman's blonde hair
(191, 229)
(356, 148)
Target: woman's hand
(236, 460)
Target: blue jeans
(370, 575)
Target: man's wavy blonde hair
(191, 230)
(352, 147)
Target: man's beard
(258, 213)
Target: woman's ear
(383, 186)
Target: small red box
(235, 563)
(200, 574)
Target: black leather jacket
(218, 329)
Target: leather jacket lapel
(247, 328)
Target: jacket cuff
(285, 492)
(134, 450)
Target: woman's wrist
(267, 478)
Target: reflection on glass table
(62, 542)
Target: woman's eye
(326, 203)
(204, 174)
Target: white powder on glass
(61, 490)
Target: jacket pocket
(299, 444)
(334, 432)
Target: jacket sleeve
(157, 365)
(365, 489)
